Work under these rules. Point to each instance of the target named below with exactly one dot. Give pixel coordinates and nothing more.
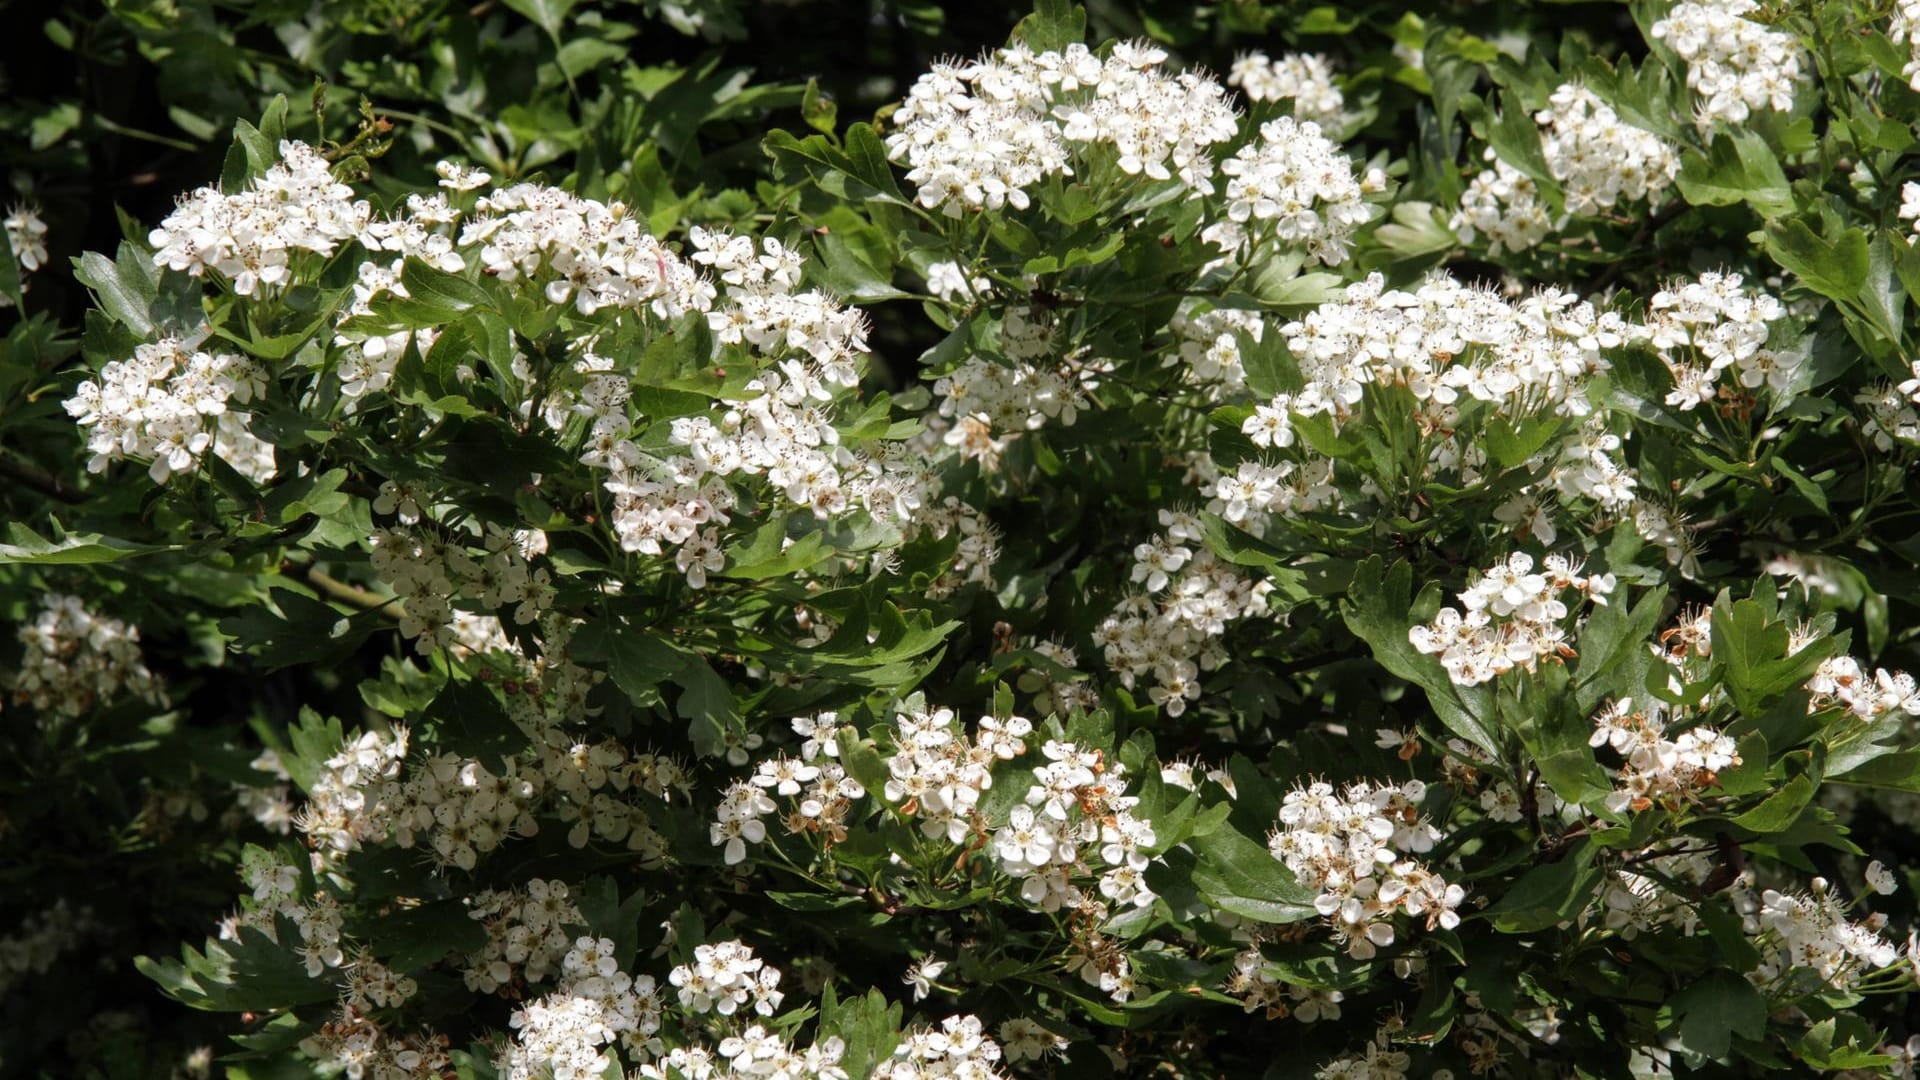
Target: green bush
(699, 539)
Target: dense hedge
(796, 539)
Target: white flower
(1305, 79)
(1880, 879)
(1504, 205)
(1734, 64)
(921, 976)
(1296, 186)
(1025, 1040)
(1598, 159)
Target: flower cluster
(1811, 931)
(350, 802)
(1904, 28)
(1208, 345)
(593, 254)
(73, 660)
(1705, 326)
(1356, 848)
(462, 808)
(946, 280)
(977, 546)
(980, 134)
(1042, 843)
(1734, 64)
(1055, 688)
(985, 398)
(526, 935)
(1022, 1039)
(821, 791)
(1510, 617)
(595, 783)
(937, 771)
(724, 978)
(959, 1048)
(1262, 988)
(1294, 185)
(562, 1035)
(359, 1047)
(1504, 205)
(1910, 209)
(1378, 1062)
(276, 887)
(1445, 338)
(1660, 768)
(781, 430)
(1172, 631)
(270, 805)
(1598, 159)
(373, 985)
(1632, 903)
(753, 1052)
(1843, 681)
(169, 403)
(251, 238)
(39, 940)
(429, 572)
(1305, 79)
(1891, 417)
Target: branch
(39, 480)
(353, 594)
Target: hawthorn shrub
(1193, 540)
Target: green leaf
(1549, 895)
(1513, 443)
(434, 297)
(845, 272)
(468, 720)
(548, 15)
(610, 917)
(1808, 490)
(1105, 248)
(252, 973)
(868, 1025)
(1240, 875)
(123, 290)
(867, 161)
(1415, 230)
(1750, 649)
(298, 629)
(1715, 1008)
(818, 109)
(1514, 137)
(706, 702)
(409, 939)
(1378, 603)
(69, 549)
(1780, 809)
(638, 661)
(1054, 25)
(765, 555)
(251, 155)
(1738, 167)
(1836, 269)
(1613, 642)
(1899, 771)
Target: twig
(354, 594)
(39, 480)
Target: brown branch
(39, 480)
